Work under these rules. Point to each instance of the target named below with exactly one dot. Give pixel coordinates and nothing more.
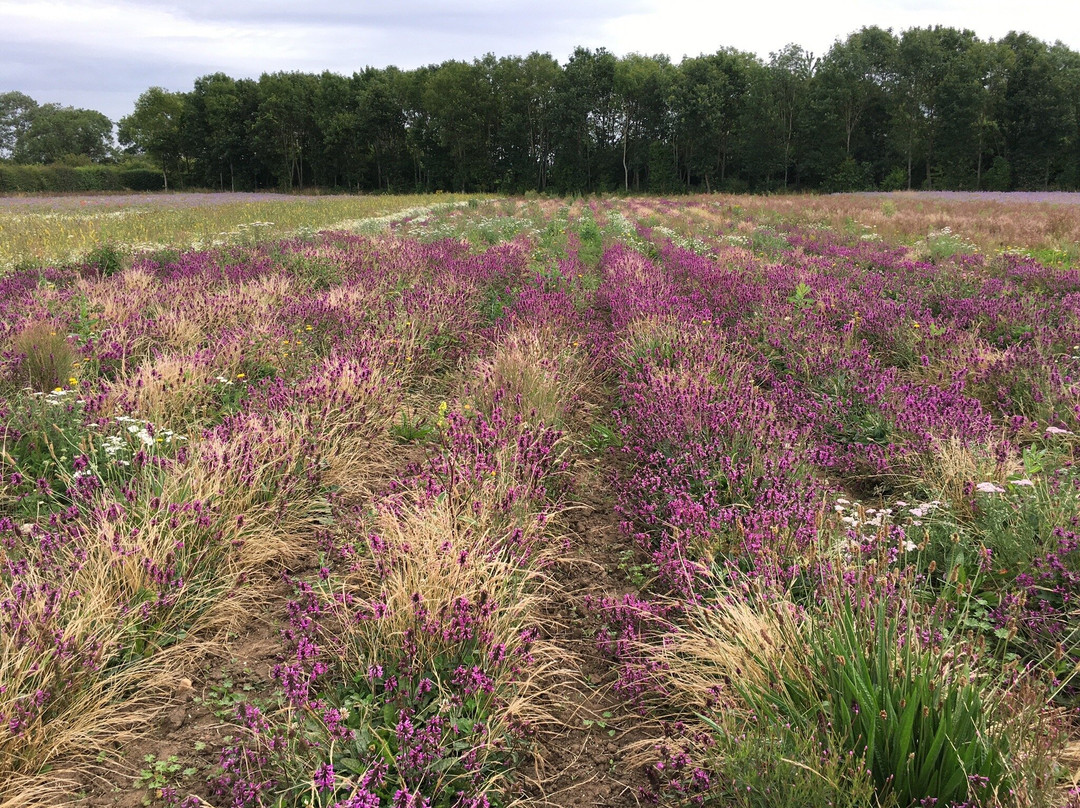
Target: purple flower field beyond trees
(721, 501)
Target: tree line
(934, 108)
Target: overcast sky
(102, 54)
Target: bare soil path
(586, 764)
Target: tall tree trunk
(909, 148)
(626, 172)
(978, 165)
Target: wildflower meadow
(477, 503)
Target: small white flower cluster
(916, 513)
(1056, 430)
(627, 232)
(620, 224)
(223, 380)
(857, 518)
(377, 224)
(694, 245)
(113, 445)
(856, 513)
(946, 238)
(58, 397)
(141, 430)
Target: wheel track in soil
(586, 762)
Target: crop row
(850, 469)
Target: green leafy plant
(926, 716)
(107, 259)
(639, 574)
(412, 431)
(591, 244)
(159, 775)
(600, 723)
(800, 298)
(602, 437)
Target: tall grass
(43, 357)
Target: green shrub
(895, 180)
(141, 179)
(106, 259)
(21, 179)
(61, 178)
(999, 176)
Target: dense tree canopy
(928, 108)
(50, 133)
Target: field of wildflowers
(37, 231)
(711, 501)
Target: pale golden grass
(102, 715)
(433, 552)
(438, 554)
(174, 391)
(84, 721)
(256, 474)
(717, 650)
(951, 465)
(538, 373)
(46, 358)
(354, 297)
(958, 463)
(186, 316)
(120, 296)
(105, 708)
(728, 644)
(695, 345)
(253, 486)
(349, 407)
(196, 318)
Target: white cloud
(82, 51)
(692, 27)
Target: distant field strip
(62, 229)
